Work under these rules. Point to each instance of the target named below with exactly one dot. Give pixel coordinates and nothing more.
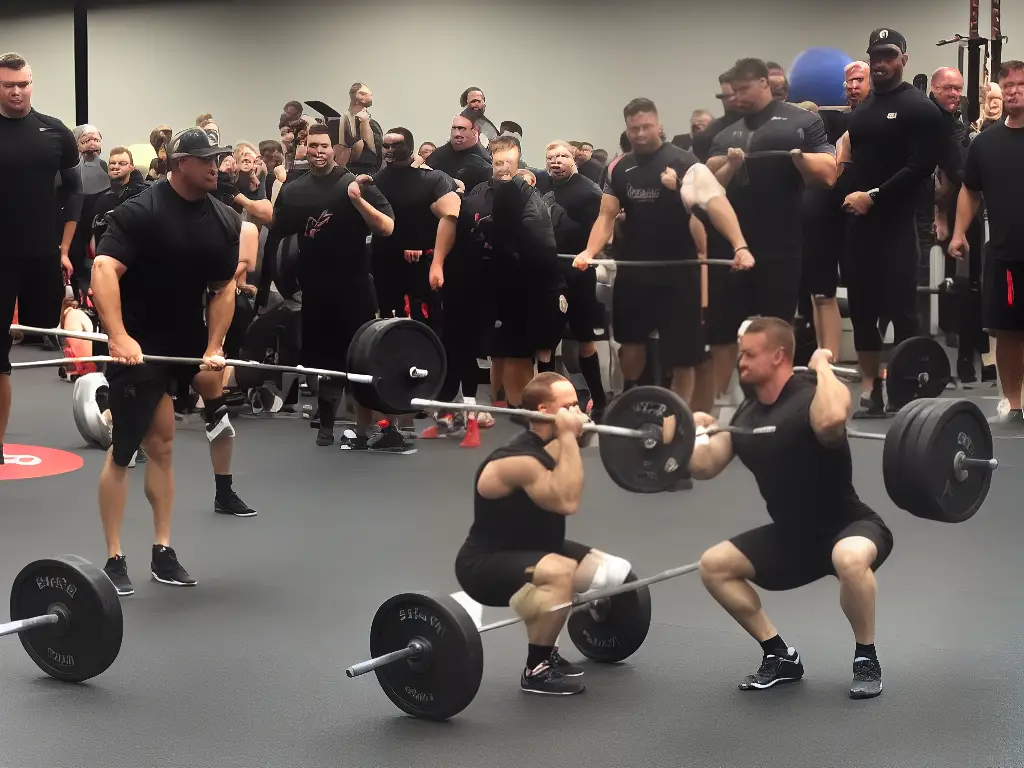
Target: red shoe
(472, 438)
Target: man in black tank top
(516, 553)
(820, 527)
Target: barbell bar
(677, 263)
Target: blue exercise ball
(817, 75)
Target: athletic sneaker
(167, 570)
(563, 666)
(350, 441)
(230, 504)
(117, 571)
(872, 405)
(775, 669)
(544, 679)
(388, 440)
(325, 435)
(867, 678)
(1012, 419)
(444, 426)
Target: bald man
(857, 76)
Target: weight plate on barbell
(612, 629)
(647, 466)
(89, 399)
(950, 427)
(358, 353)
(387, 350)
(894, 471)
(918, 367)
(90, 641)
(443, 682)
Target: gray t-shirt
(94, 176)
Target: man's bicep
(503, 476)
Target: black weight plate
(911, 468)
(647, 466)
(355, 361)
(88, 644)
(399, 344)
(952, 426)
(918, 367)
(894, 453)
(612, 629)
(445, 681)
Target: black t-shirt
(683, 141)
(805, 484)
(703, 140)
(470, 166)
(33, 150)
(590, 169)
(173, 250)
(515, 522)
(995, 168)
(332, 233)
(897, 139)
(575, 205)
(411, 192)
(657, 225)
(767, 193)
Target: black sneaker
(872, 406)
(544, 679)
(325, 435)
(389, 440)
(563, 666)
(167, 570)
(867, 679)
(773, 670)
(352, 441)
(117, 571)
(230, 504)
(988, 373)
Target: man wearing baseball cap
(896, 139)
(161, 253)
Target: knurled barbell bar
(402, 358)
(68, 617)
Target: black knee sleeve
(214, 410)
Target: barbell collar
(601, 429)
(413, 650)
(628, 586)
(677, 263)
(23, 625)
(963, 462)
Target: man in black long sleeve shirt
(896, 138)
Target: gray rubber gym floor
(247, 669)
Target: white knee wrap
(220, 428)
(610, 573)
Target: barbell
(68, 617)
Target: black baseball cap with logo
(886, 39)
(195, 142)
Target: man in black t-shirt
(175, 241)
(657, 185)
(995, 167)
(332, 213)
(34, 149)
(896, 140)
(516, 553)
(767, 193)
(462, 157)
(800, 458)
(575, 203)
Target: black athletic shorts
(135, 393)
(1002, 294)
(784, 558)
(770, 289)
(36, 285)
(824, 238)
(524, 319)
(491, 578)
(403, 288)
(586, 315)
(670, 306)
(332, 312)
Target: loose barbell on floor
(400, 358)
(428, 655)
(68, 617)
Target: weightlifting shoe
(167, 570)
(563, 666)
(775, 669)
(228, 503)
(544, 679)
(117, 571)
(867, 678)
(388, 440)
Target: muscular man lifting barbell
(820, 526)
(516, 553)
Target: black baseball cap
(195, 142)
(885, 38)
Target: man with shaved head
(462, 157)
(858, 82)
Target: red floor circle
(26, 462)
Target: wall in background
(562, 70)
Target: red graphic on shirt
(26, 462)
(314, 225)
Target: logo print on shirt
(314, 225)
(891, 116)
(778, 118)
(643, 194)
